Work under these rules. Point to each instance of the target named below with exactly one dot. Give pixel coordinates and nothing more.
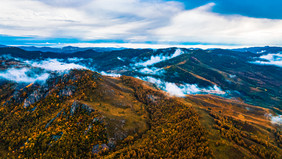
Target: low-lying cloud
(24, 75)
(274, 119)
(110, 74)
(270, 59)
(183, 89)
(152, 71)
(159, 58)
(39, 71)
(55, 65)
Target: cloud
(55, 65)
(119, 58)
(75, 59)
(133, 21)
(204, 26)
(110, 74)
(182, 89)
(276, 119)
(66, 3)
(39, 71)
(24, 75)
(86, 20)
(270, 59)
(152, 71)
(159, 58)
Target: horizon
(137, 46)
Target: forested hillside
(83, 114)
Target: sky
(141, 23)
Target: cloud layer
(134, 21)
(182, 89)
(55, 65)
(40, 71)
(270, 59)
(159, 58)
(24, 75)
(276, 119)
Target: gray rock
(74, 107)
(32, 98)
(89, 127)
(67, 91)
(51, 121)
(87, 108)
(100, 148)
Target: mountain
(66, 49)
(83, 114)
(144, 103)
(242, 75)
(260, 50)
(82, 111)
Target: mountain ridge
(57, 105)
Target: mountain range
(140, 103)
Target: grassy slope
(117, 103)
(251, 120)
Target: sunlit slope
(231, 71)
(236, 129)
(83, 114)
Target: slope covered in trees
(71, 116)
(83, 114)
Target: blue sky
(253, 8)
(149, 22)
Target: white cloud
(55, 65)
(183, 89)
(110, 74)
(152, 71)
(88, 20)
(75, 59)
(203, 25)
(159, 58)
(24, 75)
(133, 21)
(276, 119)
(271, 59)
(29, 75)
(119, 58)
(66, 3)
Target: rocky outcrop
(51, 121)
(75, 106)
(97, 119)
(67, 91)
(32, 98)
(100, 148)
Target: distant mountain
(2, 46)
(260, 50)
(67, 49)
(190, 70)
